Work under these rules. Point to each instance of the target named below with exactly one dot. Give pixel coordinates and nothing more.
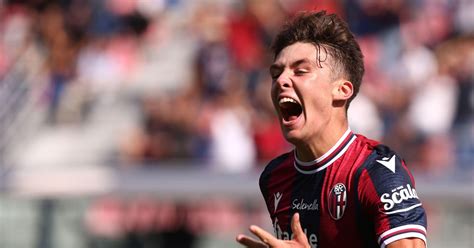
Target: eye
(300, 71)
(275, 73)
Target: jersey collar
(329, 157)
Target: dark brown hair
(330, 33)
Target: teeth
(287, 99)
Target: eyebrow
(296, 63)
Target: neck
(321, 142)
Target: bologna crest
(337, 201)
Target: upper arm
(388, 196)
(407, 243)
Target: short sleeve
(388, 196)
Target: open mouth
(290, 109)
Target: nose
(284, 80)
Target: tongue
(292, 117)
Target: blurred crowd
(146, 222)
(196, 74)
(192, 77)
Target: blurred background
(146, 123)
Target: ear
(342, 90)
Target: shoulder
(386, 183)
(387, 188)
(275, 163)
(386, 191)
(385, 172)
(386, 199)
(384, 164)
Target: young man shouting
(337, 188)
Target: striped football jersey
(358, 194)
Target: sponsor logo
(337, 201)
(280, 234)
(389, 164)
(277, 197)
(398, 195)
(302, 205)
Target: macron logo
(390, 164)
(277, 197)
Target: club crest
(337, 201)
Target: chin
(292, 137)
